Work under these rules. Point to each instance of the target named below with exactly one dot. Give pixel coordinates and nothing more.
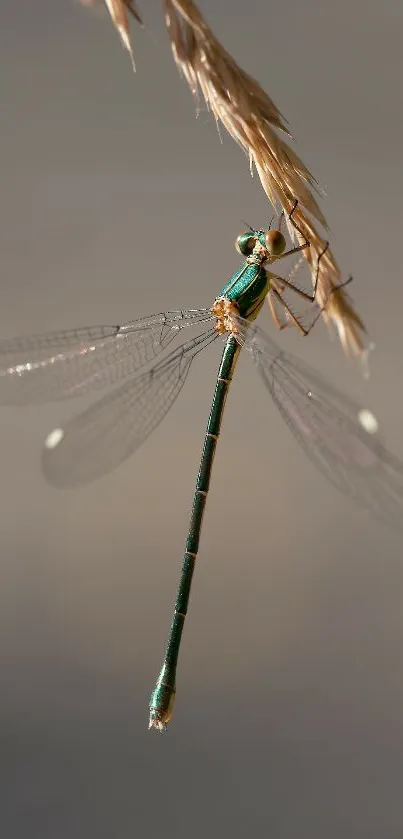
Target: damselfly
(340, 438)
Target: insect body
(143, 375)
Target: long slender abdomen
(162, 697)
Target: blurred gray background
(288, 719)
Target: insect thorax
(246, 289)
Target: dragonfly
(143, 373)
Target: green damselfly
(328, 425)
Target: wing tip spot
(368, 421)
(54, 438)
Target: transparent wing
(327, 425)
(103, 436)
(58, 365)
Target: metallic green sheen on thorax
(247, 288)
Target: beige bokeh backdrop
(116, 202)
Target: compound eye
(275, 242)
(245, 243)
